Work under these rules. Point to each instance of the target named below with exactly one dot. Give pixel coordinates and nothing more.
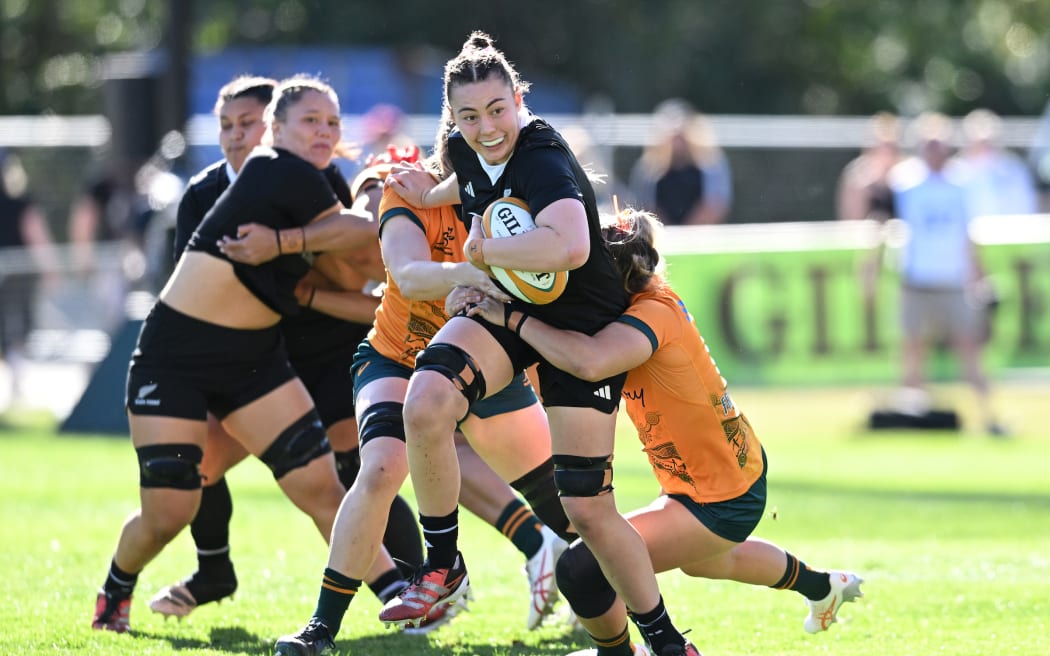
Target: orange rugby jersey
(698, 442)
(402, 327)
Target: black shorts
(331, 387)
(184, 367)
(557, 388)
(370, 365)
(313, 338)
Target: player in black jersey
(499, 150)
(212, 343)
(320, 349)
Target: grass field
(951, 532)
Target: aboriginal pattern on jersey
(425, 318)
(697, 441)
(663, 455)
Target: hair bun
(478, 41)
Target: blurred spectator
(863, 188)
(683, 175)
(107, 225)
(108, 208)
(1039, 158)
(23, 230)
(939, 265)
(595, 161)
(381, 126)
(997, 180)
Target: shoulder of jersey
(211, 171)
(538, 134)
(262, 152)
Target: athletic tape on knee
(385, 419)
(581, 580)
(452, 362)
(348, 465)
(176, 466)
(582, 476)
(297, 446)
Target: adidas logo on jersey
(603, 392)
(469, 189)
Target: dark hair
(290, 90)
(246, 86)
(631, 237)
(478, 61)
(439, 161)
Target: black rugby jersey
(313, 337)
(200, 196)
(279, 190)
(309, 335)
(541, 171)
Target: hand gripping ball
(508, 217)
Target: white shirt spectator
(934, 206)
(997, 182)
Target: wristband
(277, 233)
(508, 311)
(521, 322)
(302, 229)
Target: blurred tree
(725, 56)
(51, 49)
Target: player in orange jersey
(710, 464)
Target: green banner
(786, 304)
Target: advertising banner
(817, 303)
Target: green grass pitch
(950, 531)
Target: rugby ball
(508, 217)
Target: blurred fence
(785, 170)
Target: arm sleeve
(392, 205)
(655, 319)
(548, 177)
(187, 219)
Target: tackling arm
(614, 349)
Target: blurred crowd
(681, 173)
(936, 190)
